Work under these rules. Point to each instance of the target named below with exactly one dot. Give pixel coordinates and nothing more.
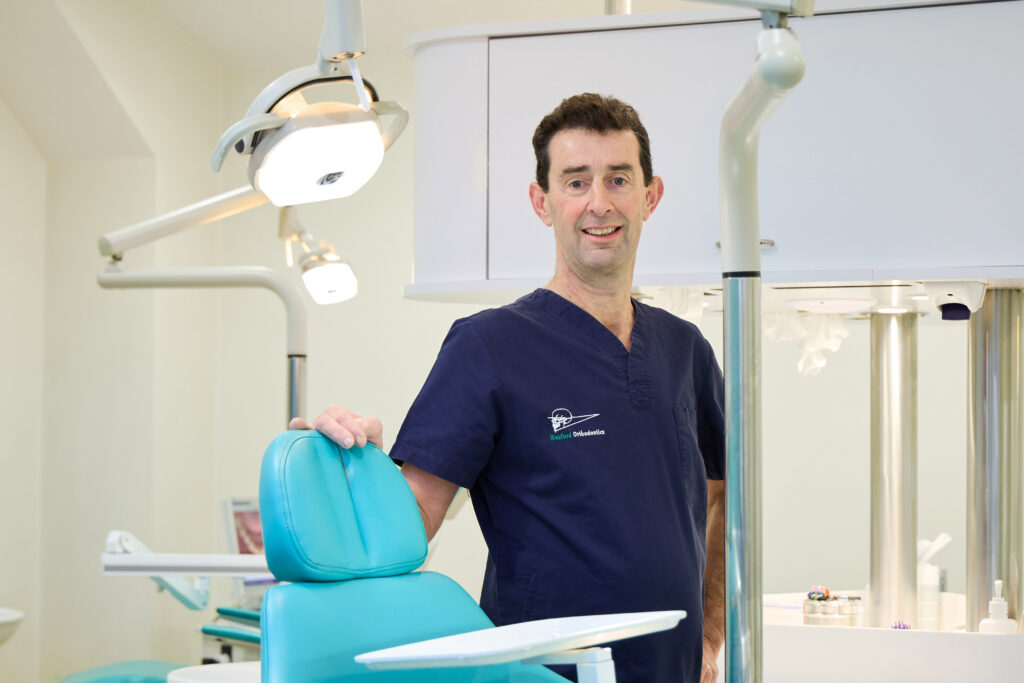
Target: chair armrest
(245, 634)
(249, 617)
(126, 554)
(185, 564)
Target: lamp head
(311, 152)
(328, 279)
(327, 150)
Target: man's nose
(600, 200)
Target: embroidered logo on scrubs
(561, 419)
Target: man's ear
(539, 202)
(654, 192)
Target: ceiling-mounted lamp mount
(342, 38)
(302, 152)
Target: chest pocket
(695, 479)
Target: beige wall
(98, 408)
(22, 294)
(170, 90)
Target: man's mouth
(601, 231)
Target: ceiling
(255, 33)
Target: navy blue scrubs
(587, 465)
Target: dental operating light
(328, 279)
(299, 153)
(302, 152)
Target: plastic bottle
(997, 621)
(929, 582)
(927, 597)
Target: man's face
(596, 201)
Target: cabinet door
(901, 149)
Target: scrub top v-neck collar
(635, 365)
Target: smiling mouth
(601, 231)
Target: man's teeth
(600, 231)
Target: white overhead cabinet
(900, 156)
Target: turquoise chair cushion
(312, 632)
(140, 671)
(333, 514)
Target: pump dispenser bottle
(997, 621)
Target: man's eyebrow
(574, 169)
(584, 169)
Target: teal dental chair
(344, 529)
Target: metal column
(742, 329)
(296, 386)
(778, 69)
(994, 448)
(893, 593)
(618, 6)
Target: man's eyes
(617, 181)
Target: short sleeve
(711, 419)
(451, 427)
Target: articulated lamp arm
(114, 244)
(116, 276)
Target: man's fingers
(345, 428)
(333, 430)
(374, 430)
(298, 423)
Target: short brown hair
(589, 112)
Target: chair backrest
(343, 527)
(331, 514)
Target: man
(587, 426)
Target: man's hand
(709, 669)
(345, 428)
(714, 582)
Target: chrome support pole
(742, 328)
(777, 70)
(296, 386)
(995, 512)
(893, 595)
(617, 6)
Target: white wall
(22, 291)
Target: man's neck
(608, 302)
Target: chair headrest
(331, 514)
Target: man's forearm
(714, 572)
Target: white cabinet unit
(900, 156)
